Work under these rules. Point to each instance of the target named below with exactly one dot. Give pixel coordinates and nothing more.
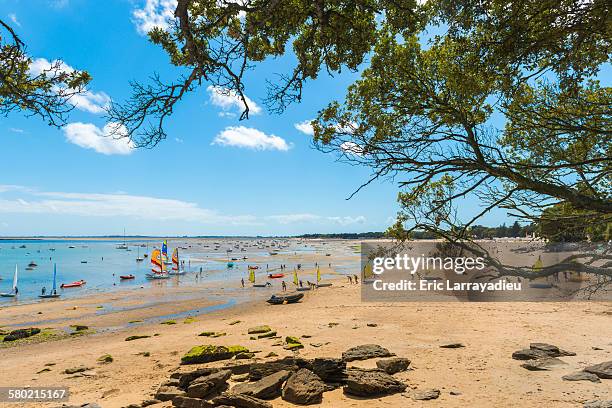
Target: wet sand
(482, 373)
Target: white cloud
(13, 18)
(16, 130)
(106, 140)
(16, 199)
(250, 138)
(155, 13)
(88, 101)
(305, 127)
(227, 100)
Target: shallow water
(105, 263)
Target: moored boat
(276, 275)
(282, 298)
(74, 284)
(126, 277)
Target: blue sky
(205, 179)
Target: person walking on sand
(44, 290)
(350, 279)
(356, 279)
(284, 286)
(242, 281)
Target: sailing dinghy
(53, 293)
(13, 292)
(175, 264)
(159, 267)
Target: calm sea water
(100, 263)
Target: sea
(100, 262)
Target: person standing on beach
(242, 281)
(44, 290)
(350, 279)
(284, 286)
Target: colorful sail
(318, 275)
(252, 276)
(156, 258)
(175, 260)
(295, 278)
(164, 251)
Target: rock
(266, 335)
(303, 387)
(542, 364)
(365, 352)
(393, 365)
(291, 364)
(452, 345)
(238, 367)
(259, 329)
(601, 370)
(44, 370)
(106, 358)
(598, 404)
(80, 327)
(528, 354)
(581, 376)
(234, 322)
(372, 325)
(239, 401)
(21, 334)
(244, 356)
(208, 353)
(219, 334)
(268, 387)
(240, 377)
(165, 393)
(552, 351)
(293, 346)
(187, 402)
(185, 378)
(172, 382)
(85, 405)
(330, 369)
(271, 354)
(426, 395)
(370, 383)
(204, 386)
(148, 402)
(207, 334)
(136, 337)
(75, 370)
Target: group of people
(353, 279)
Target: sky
(213, 175)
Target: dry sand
(483, 372)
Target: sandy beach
(481, 374)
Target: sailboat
(175, 264)
(13, 292)
(159, 268)
(164, 253)
(296, 282)
(138, 257)
(321, 285)
(124, 245)
(542, 281)
(53, 293)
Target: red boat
(126, 276)
(74, 284)
(276, 275)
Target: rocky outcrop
(187, 402)
(371, 383)
(330, 369)
(581, 376)
(426, 395)
(393, 365)
(268, 387)
(167, 393)
(291, 364)
(540, 350)
(304, 387)
(542, 364)
(208, 353)
(205, 386)
(21, 334)
(365, 352)
(239, 401)
(601, 370)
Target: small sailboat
(539, 282)
(158, 271)
(138, 257)
(53, 293)
(14, 290)
(175, 264)
(124, 245)
(319, 284)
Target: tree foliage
(492, 100)
(45, 92)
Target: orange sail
(175, 260)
